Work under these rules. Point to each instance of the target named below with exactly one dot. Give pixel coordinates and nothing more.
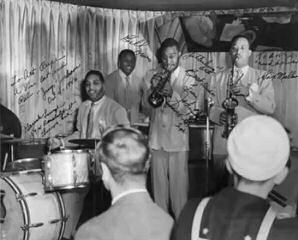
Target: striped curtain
(46, 48)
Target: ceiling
(182, 5)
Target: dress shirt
(125, 193)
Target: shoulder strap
(266, 224)
(196, 223)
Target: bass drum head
(30, 212)
(14, 214)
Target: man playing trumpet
(171, 88)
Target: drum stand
(210, 103)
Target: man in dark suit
(124, 156)
(258, 151)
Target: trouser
(221, 176)
(170, 179)
(73, 202)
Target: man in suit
(258, 151)
(126, 88)
(169, 133)
(124, 157)
(253, 90)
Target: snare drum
(66, 169)
(24, 164)
(30, 212)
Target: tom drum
(66, 169)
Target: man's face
(127, 63)
(240, 52)
(94, 87)
(170, 58)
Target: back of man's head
(125, 152)
(258, 148)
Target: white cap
(258, 148)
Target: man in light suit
(251, 87)
(169, 133)
(124, 156)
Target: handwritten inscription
(49, 119)
(282, 76)
(274, 59)
(138, 43)
(205, 65)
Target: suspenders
(196, 224)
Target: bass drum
(30, 213)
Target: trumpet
(229, 104)
(157, 98)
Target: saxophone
(229, 104)
(156, 98)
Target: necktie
(238, 75)
(90, 122)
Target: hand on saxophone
(223, 118)
(240, 90)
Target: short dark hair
(235, 38)
(169, 42)
(125, 151)
(125, 52)
(95, 72)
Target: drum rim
(70, 151)
(20, 160)
(49, 188)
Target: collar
(175, 74)
(243, 69)
(123, 76)
(128, 192)
(99, 102)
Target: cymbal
(5, 136)
(14, 140)
(25, 140)
(90, 142)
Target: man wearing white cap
(258, 150)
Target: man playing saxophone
(252, 90)
(171, 100)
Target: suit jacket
(132, 217)
(129, 96)
(232, 214)
(168, 130)
(261, 100)
(107, 113)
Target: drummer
(95, 115)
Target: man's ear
(280, 177)
(106, 173)
(249, 53)
(228, 166)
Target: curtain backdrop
(47, 47)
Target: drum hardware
(2, 207)
(28, 226)
(20, 197)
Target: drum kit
(31, 203)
